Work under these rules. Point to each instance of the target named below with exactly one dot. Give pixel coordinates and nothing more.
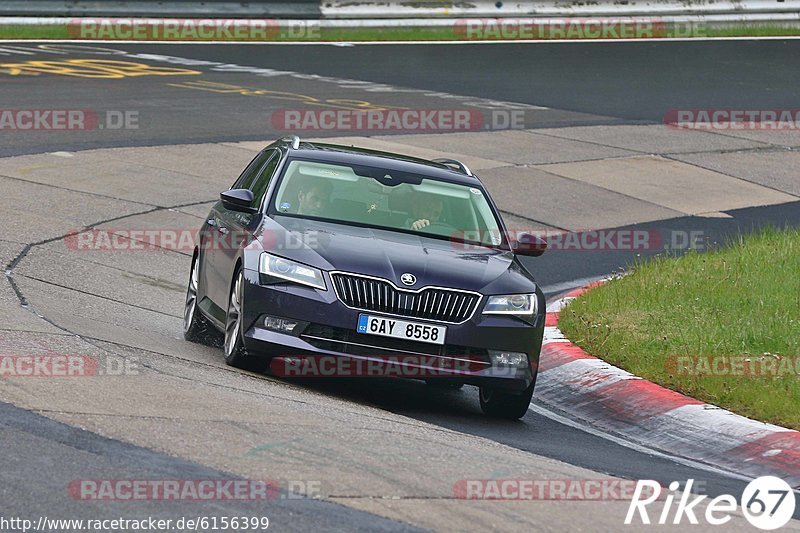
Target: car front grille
(382, 296)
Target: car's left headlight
(272, 265)
(511, 304)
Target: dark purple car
(356, 256)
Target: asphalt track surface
(578, 84)
(575, 84)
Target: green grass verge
(57, 31)
(741, 300)
(54, 31)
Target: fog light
(506, 359)
(279, 324)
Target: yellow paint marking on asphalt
(27, 171)
(339, 103)
(91, 68)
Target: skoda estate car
(358, 255)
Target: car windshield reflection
(383, 199)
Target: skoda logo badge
(408, 279)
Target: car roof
(335, 153)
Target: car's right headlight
(272, 265)
(511, 304)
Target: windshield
(387, 199)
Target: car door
(218, 238)
(236, 227)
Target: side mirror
(238, 200)
(529, 244)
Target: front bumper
(326, 328)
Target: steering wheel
(441, 228)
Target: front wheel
(506, 405)
(195, 326)
(235, 351)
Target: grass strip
(672, 319)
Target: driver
(313, 197)
(426, 210)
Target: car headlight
(511, 304)
(272, 265)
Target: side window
(245, 180)
(261, 183)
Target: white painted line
(345, 83)
(594, 369)
(573, 383)
(553, 334)
(559, 305)
(721, 421)
(538, 409)
(569, 285)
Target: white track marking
(573, 284)
(543, 411)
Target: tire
(505, 405)
(235, 352)
(196, 328)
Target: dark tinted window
(245, 181)
(261, 184)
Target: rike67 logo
(767, 503)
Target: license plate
(401, 329)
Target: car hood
(389, 254)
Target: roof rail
(294, 139)
(454, 162)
